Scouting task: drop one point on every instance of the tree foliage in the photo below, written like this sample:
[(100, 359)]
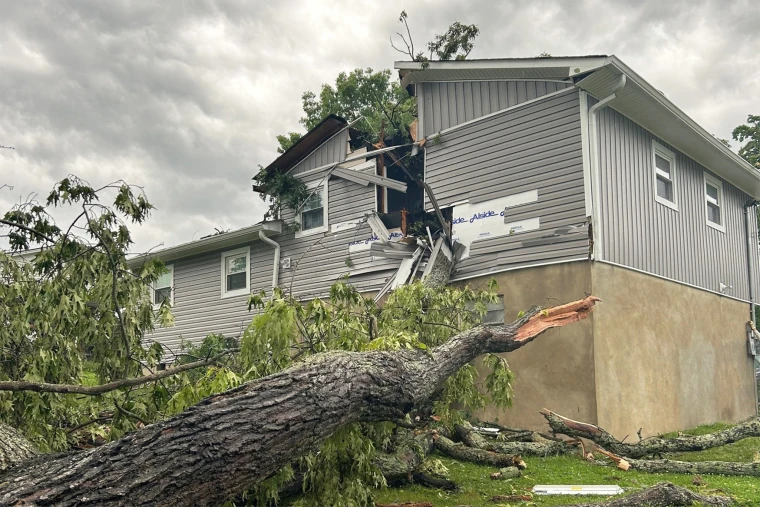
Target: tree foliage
[(749, 134)]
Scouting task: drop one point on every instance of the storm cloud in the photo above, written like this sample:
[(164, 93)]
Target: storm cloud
[(185, 98)]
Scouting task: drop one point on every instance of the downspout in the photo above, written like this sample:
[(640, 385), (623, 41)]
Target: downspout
[(752, 323), (747, 206), (276, 269), (595, 172)]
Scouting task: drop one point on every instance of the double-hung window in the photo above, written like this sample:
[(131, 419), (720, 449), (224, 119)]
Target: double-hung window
[(236, 272), (312, 217), (163, 287), (664, 176), (714, 202)]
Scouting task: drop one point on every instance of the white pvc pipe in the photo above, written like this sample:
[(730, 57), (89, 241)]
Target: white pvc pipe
[(276, 270), (595, 172)]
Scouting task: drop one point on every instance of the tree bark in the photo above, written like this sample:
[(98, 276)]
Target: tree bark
[(230, 441), (409, 453), (542, 448), (663, 494), (14, 447), (653, 445), (662, 466), (465, 453)]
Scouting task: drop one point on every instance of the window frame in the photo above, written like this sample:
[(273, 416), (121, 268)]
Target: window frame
[(670, 156), (236, 253), (170, 268), (325, 223), (715, 182)]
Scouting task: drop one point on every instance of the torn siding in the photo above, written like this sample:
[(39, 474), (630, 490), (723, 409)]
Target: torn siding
[(445, 105), (638, 232), (532, 148), (319, 260), (333, 150)]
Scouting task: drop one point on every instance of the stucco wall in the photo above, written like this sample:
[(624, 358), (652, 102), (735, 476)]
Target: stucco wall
[(667, 356), (556, 370)]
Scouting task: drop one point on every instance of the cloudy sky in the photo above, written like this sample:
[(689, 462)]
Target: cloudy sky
[(185, 98)]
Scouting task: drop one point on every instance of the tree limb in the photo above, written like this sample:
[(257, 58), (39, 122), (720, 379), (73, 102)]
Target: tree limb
[(230, 441), (653, 445), (41, 387), (27, 229)]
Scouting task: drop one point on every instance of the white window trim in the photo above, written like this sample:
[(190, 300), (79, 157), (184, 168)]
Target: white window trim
[(237, 292), (719, 185), (658, 149), (325, 223), (170, 268)]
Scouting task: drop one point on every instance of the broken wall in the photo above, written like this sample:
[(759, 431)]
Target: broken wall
[(529, 156)]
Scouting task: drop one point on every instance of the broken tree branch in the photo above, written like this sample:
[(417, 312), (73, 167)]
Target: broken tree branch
[(653, 445), (42, 387), (463, 452), (663, 494), (685, 467), (542, 448)]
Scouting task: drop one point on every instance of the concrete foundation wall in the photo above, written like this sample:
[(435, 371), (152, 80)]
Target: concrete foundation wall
[(556, 370), (667, 356)]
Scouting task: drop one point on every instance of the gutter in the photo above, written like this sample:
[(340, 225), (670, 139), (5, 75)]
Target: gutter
[(595, 171), (276, 268)]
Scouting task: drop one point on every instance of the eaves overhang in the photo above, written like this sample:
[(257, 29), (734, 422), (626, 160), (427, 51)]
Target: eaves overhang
[(555, 68), (208, 244), (650, 108)]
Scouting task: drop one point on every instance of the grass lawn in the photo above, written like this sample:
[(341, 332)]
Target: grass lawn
[(477, 488)]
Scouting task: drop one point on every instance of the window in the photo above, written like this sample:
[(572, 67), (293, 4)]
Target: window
[(163, 287), (714, 202), (494, 312), (312, 217), (236, 272), (664, 176)]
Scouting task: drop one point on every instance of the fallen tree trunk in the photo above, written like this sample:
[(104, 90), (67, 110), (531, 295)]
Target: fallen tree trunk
[(663, 494), (230, 441), (653, 445), (542, 448)]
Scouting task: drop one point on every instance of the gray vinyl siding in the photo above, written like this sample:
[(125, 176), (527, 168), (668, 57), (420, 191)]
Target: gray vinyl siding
[(537, 146), (638, 232), (333, 150), (317, 261), (445, 105), (199, 308)]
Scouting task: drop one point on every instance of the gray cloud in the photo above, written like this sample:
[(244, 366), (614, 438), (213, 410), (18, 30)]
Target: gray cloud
[(185, 98)]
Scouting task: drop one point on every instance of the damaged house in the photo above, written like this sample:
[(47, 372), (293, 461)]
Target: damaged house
[(555, 176)]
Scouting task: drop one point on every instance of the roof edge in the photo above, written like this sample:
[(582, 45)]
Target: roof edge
[(207, 244), (675, 110)]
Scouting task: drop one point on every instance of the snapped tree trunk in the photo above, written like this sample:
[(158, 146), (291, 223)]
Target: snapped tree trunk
[(230, 441), (653, 445), (663, 494)]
